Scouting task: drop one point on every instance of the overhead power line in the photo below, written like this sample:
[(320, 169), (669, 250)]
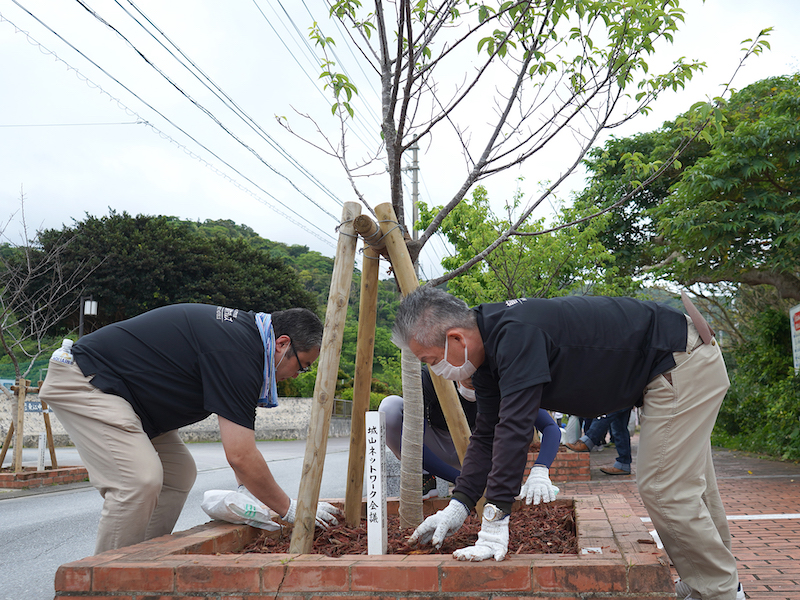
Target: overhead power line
[(202, 108), (330, 239), (209, 84), (67, 124), (306, 48)]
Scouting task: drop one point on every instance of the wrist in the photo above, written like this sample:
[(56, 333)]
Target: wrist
[(291, 511), (464, 499), (459, 507), (493, 513)]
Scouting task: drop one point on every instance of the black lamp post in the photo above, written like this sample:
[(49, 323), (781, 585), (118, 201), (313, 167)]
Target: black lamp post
[(89, 309)]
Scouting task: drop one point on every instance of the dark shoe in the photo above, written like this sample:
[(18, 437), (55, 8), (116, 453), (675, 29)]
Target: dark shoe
[(614, 471), (429, 486), (579, 446)]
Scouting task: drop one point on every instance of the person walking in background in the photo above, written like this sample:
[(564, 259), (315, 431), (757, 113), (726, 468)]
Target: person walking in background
[(439, 457), (130, 385), (617, 423)]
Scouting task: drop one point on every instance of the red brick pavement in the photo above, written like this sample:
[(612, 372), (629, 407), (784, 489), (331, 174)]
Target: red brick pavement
[(767, 549)]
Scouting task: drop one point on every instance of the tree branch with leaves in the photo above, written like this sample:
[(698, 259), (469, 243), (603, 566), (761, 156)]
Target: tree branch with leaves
[(538, 72)]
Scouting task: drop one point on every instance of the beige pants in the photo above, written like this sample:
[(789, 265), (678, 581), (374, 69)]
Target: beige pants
[(675, 471), (143, 482)]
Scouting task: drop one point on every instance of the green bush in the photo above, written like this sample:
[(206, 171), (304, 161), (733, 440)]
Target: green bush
[(374, 397), (761, 412)]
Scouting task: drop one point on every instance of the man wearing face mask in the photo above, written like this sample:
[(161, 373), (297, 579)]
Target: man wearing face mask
[(131, 385), (584, 356), (439, 456)]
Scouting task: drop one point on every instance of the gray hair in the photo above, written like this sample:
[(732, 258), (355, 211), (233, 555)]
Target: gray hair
[(301, 325), (427, 314)]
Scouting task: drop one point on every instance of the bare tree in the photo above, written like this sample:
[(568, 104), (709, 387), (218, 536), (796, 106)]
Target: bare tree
[(33, 285), (506, 81), (544, 71)]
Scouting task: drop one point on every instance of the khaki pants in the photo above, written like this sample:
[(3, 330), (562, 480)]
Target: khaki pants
[(675, 471), (143, 482)]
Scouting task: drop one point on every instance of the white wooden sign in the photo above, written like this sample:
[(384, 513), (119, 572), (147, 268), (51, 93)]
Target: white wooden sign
[(375, 476), (42, 448), (794, 325)]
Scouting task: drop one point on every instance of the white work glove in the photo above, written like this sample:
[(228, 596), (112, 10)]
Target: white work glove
[(492, 542), (441, 524), (538, 487), (324, 517)]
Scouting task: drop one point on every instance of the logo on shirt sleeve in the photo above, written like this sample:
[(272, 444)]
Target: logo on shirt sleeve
[(227, 314), (516, 301)]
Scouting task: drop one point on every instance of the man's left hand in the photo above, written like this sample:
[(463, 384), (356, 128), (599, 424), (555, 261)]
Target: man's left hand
[(326, 515), (538, 488), (492, 542)]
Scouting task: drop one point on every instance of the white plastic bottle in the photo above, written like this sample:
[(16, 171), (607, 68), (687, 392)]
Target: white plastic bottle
[(63, 354)]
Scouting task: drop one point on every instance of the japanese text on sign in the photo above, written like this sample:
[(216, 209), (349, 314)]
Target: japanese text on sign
[(375, 467)]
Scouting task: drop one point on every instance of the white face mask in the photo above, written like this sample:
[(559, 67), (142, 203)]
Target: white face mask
[(447, 371), (465, 392)]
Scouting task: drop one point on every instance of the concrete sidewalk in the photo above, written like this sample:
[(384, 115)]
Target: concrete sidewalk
[(762, 501)]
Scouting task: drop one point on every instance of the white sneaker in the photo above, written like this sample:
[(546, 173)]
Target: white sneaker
[(682, 590)]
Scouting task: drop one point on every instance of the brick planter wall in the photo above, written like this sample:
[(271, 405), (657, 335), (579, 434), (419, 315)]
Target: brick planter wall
[(617, 558), (31, 478), (567, 466)]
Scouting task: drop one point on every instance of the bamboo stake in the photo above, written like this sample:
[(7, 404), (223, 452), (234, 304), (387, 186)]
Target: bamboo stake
[(362, 383), (325, 386), (404, 271)]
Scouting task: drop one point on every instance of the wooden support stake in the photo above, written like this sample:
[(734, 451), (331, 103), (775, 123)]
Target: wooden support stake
[(21, 389), (362, 383), (404, 271), (325, 386), (50, 443), (398, 251), (6, 443), (371, 232)]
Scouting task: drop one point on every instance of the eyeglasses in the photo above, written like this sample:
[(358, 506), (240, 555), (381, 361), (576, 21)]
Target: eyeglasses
[(301, 368)]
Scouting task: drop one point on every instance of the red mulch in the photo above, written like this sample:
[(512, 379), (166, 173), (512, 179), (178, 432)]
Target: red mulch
[(542, 529)]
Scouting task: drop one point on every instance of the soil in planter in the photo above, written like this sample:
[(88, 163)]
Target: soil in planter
[(542, 529)]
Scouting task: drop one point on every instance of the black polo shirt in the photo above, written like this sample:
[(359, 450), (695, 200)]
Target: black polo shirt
[(592, 354), (586, 356), (178, 364)]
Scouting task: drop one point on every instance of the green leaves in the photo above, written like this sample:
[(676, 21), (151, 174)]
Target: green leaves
[(342, 88), (144, 262), (736, 210), (568, 261)]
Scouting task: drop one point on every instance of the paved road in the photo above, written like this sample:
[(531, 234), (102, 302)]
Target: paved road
[(42, 530)]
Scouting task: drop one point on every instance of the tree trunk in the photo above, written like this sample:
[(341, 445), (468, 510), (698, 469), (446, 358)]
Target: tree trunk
[(411, 455)]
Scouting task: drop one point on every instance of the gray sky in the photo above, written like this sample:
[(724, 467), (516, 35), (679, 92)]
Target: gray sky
[(76, 146)]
